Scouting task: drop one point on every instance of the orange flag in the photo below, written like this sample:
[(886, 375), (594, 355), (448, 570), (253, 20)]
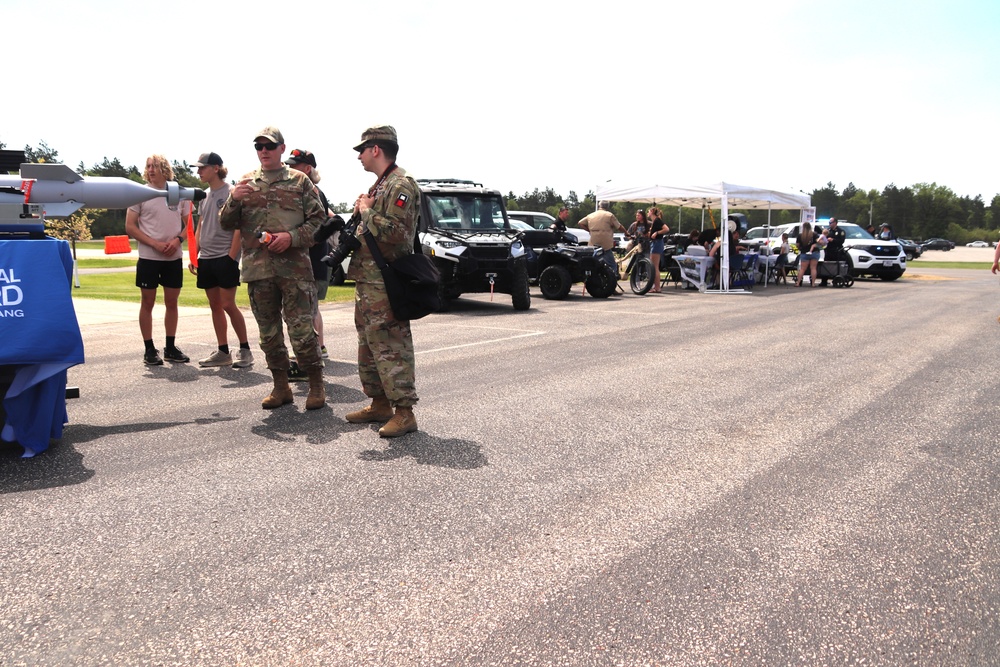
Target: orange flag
[(192, 239)]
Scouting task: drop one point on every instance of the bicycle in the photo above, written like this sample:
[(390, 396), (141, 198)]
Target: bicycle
[(638, 269)]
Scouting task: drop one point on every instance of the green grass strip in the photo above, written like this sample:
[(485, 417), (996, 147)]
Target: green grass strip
[(972, 266), (121, 287)]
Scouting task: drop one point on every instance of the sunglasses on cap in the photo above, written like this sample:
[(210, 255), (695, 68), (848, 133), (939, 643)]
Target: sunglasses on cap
[(298, 153), (269, 145)]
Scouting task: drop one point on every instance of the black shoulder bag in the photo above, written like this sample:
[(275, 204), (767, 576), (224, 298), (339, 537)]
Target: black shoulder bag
[(411, 282)]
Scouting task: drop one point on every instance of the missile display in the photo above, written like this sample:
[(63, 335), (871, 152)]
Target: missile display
[(60, 191)]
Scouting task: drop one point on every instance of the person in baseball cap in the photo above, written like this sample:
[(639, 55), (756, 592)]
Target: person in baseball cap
[(299, 156), (217, 269), (305, 161), (270, 133), (206, 159)]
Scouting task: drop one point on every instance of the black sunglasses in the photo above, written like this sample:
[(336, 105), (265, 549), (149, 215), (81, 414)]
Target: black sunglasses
[(270, 145)]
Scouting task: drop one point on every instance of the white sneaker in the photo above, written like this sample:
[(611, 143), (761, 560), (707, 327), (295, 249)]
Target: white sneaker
[(217, 358), (245, 360)]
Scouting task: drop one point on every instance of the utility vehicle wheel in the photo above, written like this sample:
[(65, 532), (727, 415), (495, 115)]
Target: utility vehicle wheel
[(520, 290)]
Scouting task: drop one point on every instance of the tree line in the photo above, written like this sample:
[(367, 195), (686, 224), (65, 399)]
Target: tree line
[(920, 211)]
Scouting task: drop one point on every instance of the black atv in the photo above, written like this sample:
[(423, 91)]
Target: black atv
[(556, 261)]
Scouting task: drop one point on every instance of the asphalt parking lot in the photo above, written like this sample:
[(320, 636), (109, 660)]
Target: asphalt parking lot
[(797, 476)]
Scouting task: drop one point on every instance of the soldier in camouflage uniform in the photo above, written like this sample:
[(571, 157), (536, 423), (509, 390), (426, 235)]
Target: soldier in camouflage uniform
[(385, 345), (281, 203)]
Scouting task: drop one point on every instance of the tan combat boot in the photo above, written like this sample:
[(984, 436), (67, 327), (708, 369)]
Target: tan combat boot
[(378, 411), (402, 422), (281, 394), (317, 390)]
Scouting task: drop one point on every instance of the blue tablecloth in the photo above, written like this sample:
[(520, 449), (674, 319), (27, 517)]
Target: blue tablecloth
[(39, 337)]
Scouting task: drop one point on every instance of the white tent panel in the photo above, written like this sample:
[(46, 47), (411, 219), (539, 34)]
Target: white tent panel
[(700, 196)]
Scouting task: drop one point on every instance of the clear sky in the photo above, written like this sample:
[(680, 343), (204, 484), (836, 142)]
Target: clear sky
[(783, 94)]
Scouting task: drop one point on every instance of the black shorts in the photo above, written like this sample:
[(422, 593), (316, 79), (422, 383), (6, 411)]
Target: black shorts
[(221, 272), (151, 273)]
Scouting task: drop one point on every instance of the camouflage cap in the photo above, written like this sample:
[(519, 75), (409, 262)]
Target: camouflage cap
[(270, 133), (386, 133)]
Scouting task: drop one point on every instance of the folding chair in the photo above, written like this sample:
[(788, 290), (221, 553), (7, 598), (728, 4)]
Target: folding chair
[(775, 270), (743, 271), (791, 270)]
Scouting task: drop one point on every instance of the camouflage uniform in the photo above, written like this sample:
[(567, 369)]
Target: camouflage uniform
[(284, 200), (385, 344)]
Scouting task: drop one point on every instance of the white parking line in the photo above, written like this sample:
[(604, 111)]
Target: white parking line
[(481, 342)]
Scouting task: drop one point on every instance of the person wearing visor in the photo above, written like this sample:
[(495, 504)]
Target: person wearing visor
[(277, 210)]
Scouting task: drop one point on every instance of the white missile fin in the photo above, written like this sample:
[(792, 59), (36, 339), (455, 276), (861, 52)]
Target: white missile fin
[(49, 172)]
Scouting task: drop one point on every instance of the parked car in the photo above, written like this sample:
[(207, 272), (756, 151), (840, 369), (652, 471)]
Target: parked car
[(756, 236), (938, 244), (539, 220), (866, 255), (911, 248), (978, 244)]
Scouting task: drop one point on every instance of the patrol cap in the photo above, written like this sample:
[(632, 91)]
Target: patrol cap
[(299, 156), (379, 133), (270, 133), (206, 159)]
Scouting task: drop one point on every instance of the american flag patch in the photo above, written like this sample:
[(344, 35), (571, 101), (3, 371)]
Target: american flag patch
[(401, 200)]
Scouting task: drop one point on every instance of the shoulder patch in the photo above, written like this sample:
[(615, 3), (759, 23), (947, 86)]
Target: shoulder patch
[(402, 200)]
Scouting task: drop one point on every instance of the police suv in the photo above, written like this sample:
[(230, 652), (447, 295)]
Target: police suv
[(866, 255)]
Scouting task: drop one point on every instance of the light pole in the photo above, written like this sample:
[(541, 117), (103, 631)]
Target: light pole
[(597, 201)]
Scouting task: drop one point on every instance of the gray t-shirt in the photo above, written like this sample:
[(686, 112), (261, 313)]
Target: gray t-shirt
[(214, 241), (162, 224)]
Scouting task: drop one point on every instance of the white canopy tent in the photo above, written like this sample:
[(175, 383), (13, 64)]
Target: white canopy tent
[(716, 196)]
